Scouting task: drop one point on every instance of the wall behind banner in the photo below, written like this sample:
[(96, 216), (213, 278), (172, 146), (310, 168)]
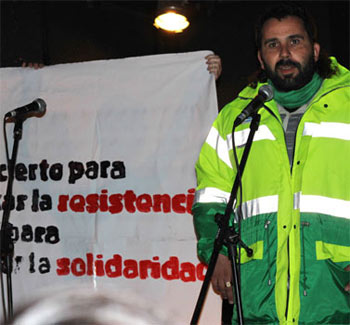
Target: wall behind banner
[(71, 31)]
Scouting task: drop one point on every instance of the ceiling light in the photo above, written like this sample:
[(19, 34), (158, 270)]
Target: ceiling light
[(172, 20)]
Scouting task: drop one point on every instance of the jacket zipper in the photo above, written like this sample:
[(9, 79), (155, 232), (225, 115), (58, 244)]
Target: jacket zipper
[(266, 226), (304, 224), (288, 279)]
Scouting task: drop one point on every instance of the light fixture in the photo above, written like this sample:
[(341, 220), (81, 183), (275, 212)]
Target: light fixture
[(171, 19)]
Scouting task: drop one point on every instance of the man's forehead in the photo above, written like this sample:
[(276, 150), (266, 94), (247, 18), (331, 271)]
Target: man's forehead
[(281, 28)]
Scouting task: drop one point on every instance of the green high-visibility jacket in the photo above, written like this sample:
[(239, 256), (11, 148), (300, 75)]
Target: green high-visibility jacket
[(297, 221)]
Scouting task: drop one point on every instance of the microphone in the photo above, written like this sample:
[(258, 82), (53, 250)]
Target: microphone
[(264, 95), (36, 108)]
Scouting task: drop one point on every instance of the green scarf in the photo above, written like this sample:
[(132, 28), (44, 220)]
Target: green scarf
[(296, 98)]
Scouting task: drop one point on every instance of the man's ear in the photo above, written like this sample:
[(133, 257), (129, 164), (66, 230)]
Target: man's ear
[(261, 61), (317, 49)]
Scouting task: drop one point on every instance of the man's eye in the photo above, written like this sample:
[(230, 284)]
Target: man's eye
[(295, 41), (272, 45)]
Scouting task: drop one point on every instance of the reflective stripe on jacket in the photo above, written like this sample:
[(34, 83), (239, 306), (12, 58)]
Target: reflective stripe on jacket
[(297, 221)]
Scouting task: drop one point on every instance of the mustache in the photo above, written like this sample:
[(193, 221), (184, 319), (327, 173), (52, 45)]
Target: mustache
[(288, 62)]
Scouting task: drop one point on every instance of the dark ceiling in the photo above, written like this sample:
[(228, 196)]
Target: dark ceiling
[(56, 32)]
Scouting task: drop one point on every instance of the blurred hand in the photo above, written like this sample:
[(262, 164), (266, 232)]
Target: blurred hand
[(214, 65), (347, 287), (222, 278), (32, 65)]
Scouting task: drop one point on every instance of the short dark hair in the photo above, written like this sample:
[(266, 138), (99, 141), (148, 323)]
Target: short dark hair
[(282, 10)]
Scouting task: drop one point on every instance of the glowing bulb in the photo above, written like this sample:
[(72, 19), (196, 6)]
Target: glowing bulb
[(171, 22)]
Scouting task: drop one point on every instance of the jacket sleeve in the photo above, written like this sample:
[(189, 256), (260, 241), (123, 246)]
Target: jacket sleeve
[(215, 177), (206, 228)]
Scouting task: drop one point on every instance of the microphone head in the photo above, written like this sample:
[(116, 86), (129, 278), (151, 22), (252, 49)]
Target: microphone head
[(266, 91), (41, 106)]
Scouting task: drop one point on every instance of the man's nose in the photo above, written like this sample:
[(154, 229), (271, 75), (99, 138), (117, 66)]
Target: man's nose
[(285, 51)]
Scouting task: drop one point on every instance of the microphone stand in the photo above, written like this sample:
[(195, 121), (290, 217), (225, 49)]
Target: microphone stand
[(7, 246), (228, 236)]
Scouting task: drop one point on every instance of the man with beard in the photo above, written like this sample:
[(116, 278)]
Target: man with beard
[(295, 196)]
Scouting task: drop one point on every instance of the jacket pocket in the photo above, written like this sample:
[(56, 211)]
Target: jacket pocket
[(337, 259), (336, 253), (258, 252)]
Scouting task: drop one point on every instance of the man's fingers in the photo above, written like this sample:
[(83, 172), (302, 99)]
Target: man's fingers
[(214, 65), (228, 291), (215, 285), (210, 56), (347, 287), (224, 289), (222, 278)]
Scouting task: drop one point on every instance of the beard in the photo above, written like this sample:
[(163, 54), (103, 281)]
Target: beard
[(288, 82)]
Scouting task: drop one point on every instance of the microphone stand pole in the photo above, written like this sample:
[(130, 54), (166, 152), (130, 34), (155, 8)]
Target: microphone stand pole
[(228, 236), (7, 246)]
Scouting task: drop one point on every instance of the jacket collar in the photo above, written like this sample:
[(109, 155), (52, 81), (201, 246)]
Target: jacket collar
[(339, 80)]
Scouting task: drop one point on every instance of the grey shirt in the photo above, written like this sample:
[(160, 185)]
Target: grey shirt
[(290, 122)]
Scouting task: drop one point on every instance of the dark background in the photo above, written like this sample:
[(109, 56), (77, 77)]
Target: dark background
[(54, 32)]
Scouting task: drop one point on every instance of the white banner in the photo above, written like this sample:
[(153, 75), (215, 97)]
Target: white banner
[(105, 180)]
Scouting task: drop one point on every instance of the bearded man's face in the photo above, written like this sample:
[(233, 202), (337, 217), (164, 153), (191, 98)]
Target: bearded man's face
[(287, 55)]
